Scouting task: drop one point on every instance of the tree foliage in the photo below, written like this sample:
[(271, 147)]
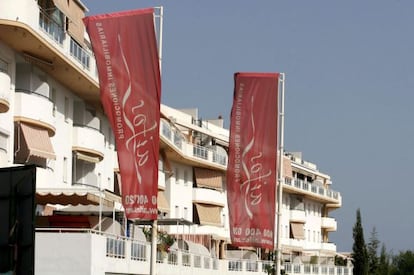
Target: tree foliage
[(383, 262), (372, 251), (359, 250), (403, 263), (365, 256)]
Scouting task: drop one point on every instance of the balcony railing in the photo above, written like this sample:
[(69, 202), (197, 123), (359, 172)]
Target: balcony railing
[(200, 151), (197, 151), (80, 54), (124, 255), (315, 189), (51, 26)]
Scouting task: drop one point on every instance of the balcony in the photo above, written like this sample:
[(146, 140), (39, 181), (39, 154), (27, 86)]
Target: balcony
[(328, 246), (72, 250), (292, 243), (209, 196), (189, 151), (46, 44), (88, 140), (41, 115), (318, 192), (329, 224), (4, 91), (297, 216)]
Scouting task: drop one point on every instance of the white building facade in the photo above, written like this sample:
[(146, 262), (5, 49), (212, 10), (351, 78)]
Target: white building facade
[(51, 116)]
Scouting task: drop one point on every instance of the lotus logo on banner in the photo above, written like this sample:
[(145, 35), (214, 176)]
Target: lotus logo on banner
[(251, 173), (125, 48)]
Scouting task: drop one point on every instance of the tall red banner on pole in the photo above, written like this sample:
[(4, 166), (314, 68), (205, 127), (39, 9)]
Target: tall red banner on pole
[(251, 172), (125, 48)]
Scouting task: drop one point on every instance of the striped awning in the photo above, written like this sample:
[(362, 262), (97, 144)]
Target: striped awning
[(162, 202), (209, 178), (297, 230), (287, 168), (74, 11), (35, 141), (87, 157), (208, 214), (76, 197)]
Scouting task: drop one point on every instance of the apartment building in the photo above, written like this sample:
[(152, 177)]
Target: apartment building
[(51, 116)]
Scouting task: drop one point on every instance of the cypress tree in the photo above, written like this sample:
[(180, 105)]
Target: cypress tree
[(372, 250), (359, 250), (383, 262)]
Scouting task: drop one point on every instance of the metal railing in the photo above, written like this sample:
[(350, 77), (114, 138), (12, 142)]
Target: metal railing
[(115, 247), (310, 187), (198, 151), (138, 251), (49, 25), (80, 54), (124, 250)]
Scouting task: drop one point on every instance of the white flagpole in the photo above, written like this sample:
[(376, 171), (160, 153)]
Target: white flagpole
[(280, 177), (154, 233), (160, 25)]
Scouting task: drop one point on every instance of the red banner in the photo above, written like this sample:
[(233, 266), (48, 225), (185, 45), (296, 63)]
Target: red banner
[(125, 48), (251, 172)]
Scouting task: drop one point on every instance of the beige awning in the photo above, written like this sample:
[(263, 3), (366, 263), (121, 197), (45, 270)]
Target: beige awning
[(62, 5), (75, 13), (72, 197), (297, 230), (76, 28), (287, 168), (87, 157), (208, 214), (209, 178), (35, 141), (87, 210), (162, 202)]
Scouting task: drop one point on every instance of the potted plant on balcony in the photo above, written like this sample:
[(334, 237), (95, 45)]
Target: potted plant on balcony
[(164, 241)]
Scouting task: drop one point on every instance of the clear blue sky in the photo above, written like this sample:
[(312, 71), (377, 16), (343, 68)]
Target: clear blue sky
[(349, 89)]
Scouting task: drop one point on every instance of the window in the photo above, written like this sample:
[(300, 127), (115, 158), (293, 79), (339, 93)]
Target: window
[(160, 165), (185, 178), (84, 172), (3, 142), (79, 53), (53, 99), (99, 179), (3, 66), (66, 109), (65, 169), (110, 137), (52, 20), (177, 178), (3, 148), (185, 214), (177, 211)]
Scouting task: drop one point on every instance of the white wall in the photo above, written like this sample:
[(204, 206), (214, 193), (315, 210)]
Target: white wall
[(68, 253)]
